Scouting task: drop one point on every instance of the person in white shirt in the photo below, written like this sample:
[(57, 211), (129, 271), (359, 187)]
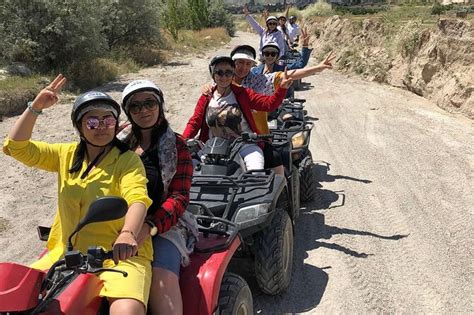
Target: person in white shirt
[(294, 31)]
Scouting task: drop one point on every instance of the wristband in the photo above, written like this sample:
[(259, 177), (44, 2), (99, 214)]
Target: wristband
[(153, 228), (128, 231), (34, 111)]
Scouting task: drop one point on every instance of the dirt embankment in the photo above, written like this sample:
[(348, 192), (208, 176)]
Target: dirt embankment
[(436, 63)]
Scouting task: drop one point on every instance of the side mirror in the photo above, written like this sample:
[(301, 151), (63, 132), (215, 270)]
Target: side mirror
[(102, 209)]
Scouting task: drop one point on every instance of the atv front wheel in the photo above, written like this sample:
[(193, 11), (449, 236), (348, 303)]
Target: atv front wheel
[(274, 254), (235, 297), (307, 180)]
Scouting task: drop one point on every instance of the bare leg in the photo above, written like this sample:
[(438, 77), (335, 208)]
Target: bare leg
[(165, 295), (124, 306)]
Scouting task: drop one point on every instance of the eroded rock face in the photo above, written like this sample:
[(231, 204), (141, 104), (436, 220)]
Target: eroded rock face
[(434, 63)]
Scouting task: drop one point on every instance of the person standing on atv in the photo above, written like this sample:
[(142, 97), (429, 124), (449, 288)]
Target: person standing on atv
[(270, 34), (282, 28), (99, 165), (168, 169), (226, 111), (271, 51)]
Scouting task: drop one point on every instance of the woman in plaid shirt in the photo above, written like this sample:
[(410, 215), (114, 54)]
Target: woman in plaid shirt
[(168, 169)]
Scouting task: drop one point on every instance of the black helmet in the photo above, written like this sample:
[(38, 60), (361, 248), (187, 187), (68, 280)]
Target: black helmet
[(220, 59), (292, 18), (86, 99)]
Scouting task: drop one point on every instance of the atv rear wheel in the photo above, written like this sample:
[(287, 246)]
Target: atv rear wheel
[(235, 297), (274, 254), (307, 179)]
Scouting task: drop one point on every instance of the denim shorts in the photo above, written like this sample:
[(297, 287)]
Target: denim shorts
[(166, 255)]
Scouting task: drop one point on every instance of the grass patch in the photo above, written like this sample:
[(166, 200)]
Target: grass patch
[(17, 83), (16, 91), (192, 41), (91, 74)]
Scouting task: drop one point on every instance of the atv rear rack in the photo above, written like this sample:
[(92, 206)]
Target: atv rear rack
[(251, 178)]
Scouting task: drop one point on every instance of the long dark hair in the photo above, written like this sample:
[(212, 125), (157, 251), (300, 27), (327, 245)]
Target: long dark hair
[(158, 129)]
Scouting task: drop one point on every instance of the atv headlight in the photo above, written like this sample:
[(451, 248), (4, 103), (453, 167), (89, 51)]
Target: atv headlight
[(272, 124), (298, 140), (251, 212)]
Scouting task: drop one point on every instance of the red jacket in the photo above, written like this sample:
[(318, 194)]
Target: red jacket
[(247, 100)]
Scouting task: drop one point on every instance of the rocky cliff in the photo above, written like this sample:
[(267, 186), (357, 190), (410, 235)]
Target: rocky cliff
[(436, 62)]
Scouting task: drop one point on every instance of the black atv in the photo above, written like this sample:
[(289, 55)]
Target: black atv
[(260, 203), (291, 121)]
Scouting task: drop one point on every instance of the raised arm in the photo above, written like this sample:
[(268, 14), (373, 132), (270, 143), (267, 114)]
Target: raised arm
[(306, 72), (47, 97), (305, 53), (256, 27)]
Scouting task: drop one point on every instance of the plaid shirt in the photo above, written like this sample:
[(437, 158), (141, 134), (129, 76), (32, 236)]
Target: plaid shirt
[(177, 199)]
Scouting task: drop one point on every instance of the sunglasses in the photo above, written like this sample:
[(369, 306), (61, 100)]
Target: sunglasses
[(272, 23), (136, 107), (94, 123), (270, 53), (227, 73)]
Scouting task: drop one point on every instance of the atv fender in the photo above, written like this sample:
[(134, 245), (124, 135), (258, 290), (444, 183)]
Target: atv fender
[(19, 287), (200, 282), (81, 297)]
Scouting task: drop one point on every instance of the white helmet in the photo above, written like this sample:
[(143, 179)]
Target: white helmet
[(138, 86)]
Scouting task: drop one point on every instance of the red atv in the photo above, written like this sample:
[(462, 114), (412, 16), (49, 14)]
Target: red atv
[(71, 287)]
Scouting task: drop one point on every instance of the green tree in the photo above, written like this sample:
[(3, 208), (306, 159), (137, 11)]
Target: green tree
[(198, 16), (172, 12), (128, 22)]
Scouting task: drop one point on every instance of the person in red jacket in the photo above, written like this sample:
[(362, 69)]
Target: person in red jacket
[(226, 112)]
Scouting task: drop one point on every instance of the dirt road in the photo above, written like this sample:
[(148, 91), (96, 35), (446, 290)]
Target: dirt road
[(393, 231)]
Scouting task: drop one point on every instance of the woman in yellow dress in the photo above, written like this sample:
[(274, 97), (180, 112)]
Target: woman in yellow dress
[(99, 165)]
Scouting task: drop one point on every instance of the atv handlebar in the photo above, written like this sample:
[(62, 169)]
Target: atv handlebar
[(251, 136)]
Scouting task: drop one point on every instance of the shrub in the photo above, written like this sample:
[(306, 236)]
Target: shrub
[(318, 9), (219, 16), (51, 34), (93, 73), (128, 22), (195, 15), (359, 10), (438, 9)]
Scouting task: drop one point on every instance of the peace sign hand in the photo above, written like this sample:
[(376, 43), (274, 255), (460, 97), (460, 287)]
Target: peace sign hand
[(305, 36), (287, 80), (48, 96), (327, 62)]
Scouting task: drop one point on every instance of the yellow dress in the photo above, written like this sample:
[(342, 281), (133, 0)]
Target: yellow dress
[(116, 175)]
